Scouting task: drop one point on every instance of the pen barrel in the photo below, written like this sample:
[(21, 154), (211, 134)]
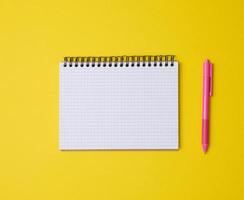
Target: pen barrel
[(206, 90), (205, 105), (207, 78), (205, 131)]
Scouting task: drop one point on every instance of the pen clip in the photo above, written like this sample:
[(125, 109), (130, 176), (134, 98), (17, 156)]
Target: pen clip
[(211, 79)]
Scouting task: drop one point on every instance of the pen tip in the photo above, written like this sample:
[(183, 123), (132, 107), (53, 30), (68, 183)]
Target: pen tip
[(205, 148)]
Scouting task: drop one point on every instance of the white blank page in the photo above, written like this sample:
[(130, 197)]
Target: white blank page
[(118, 107)]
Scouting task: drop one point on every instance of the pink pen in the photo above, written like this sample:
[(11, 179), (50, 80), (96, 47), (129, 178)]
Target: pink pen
[(207, 92)]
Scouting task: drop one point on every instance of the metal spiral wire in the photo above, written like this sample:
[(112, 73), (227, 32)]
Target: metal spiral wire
[(122, 61)]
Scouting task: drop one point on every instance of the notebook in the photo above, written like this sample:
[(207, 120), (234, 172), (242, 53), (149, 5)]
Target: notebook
[(125, 102)]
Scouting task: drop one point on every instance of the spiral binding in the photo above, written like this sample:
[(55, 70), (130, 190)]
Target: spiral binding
[(120, 61)]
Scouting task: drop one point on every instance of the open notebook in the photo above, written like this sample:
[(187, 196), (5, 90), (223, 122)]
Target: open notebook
[(119, 103)]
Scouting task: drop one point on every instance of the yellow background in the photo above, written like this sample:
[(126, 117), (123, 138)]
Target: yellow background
[(34, 37)]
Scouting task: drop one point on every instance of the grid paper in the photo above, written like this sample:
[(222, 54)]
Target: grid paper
[(118, 107)]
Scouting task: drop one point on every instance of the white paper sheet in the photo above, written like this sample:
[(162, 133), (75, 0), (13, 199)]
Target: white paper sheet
[(118, 107)]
